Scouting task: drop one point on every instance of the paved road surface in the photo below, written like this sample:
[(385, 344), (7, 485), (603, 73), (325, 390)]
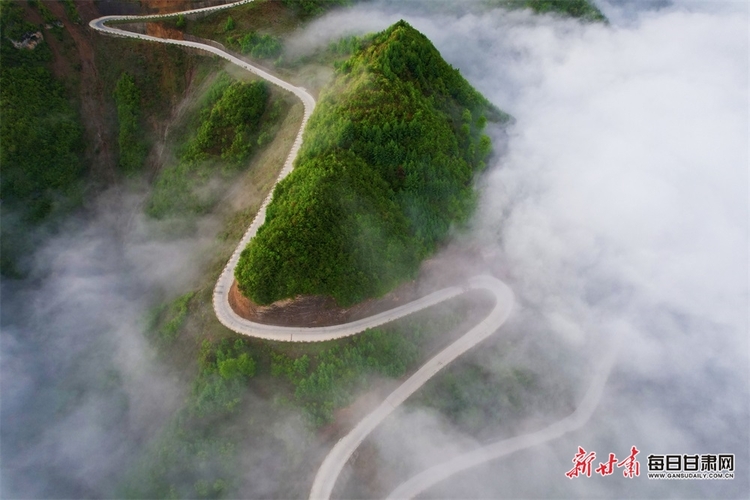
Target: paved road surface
[(329, 471), (342, 451), (430, 477), (223, 310)]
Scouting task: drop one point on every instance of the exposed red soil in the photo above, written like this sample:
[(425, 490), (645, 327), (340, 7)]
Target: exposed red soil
[(451, 267), (316, 310), (169, 6), (161, 31)]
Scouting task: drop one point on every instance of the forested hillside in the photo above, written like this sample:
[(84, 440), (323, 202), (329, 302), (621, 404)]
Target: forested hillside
[(40, 132), (235, 120), (386, 168), (581, 9), (41, 135), (74, 120)]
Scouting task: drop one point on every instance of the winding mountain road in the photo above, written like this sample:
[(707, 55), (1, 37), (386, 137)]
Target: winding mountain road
[(334, 462), (224, 311)]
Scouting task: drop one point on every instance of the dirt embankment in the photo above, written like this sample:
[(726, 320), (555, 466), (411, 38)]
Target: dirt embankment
[(450, 268), (161, 31), (169, 6), (315, 310)]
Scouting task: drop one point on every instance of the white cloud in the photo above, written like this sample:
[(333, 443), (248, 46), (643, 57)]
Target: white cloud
[(620, 206)]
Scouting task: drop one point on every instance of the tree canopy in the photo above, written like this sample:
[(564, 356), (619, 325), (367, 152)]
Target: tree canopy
[(41, 137), (386, 168)]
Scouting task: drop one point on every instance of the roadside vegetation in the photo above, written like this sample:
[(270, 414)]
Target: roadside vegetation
[(242, 27), (256, 29), (386, 169), (500, 389), (235, 120), (255, 45), (478, 398), (332, 378), (243, 383), (131, 142)]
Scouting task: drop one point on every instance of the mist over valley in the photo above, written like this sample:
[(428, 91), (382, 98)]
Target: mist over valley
[(613, 204)]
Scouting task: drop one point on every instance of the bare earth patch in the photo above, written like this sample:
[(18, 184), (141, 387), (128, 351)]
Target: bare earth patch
[(444, 270), (316, 310), (161, 30)]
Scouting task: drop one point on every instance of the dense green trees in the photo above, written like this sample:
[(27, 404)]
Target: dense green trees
[(132, 145), (257, 46), (167, 320), (235, 120), (40, 139), (387, 166), (224, 370), (339, 230), (229, 24), (348, 45), (228, 126), (72, 11), (40, 131)]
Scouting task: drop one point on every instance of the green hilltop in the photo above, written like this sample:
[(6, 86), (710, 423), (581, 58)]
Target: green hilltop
[(386, 168)]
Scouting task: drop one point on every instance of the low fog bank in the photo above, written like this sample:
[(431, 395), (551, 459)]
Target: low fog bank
[(82, 391), (619, 216)]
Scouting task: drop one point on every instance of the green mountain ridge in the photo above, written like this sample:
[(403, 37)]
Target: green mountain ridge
[(579, 9), (386, 168)]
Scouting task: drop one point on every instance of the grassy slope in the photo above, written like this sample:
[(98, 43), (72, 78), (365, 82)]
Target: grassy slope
[(230, 124), (245, 385), (161, 75), (385, 169)]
